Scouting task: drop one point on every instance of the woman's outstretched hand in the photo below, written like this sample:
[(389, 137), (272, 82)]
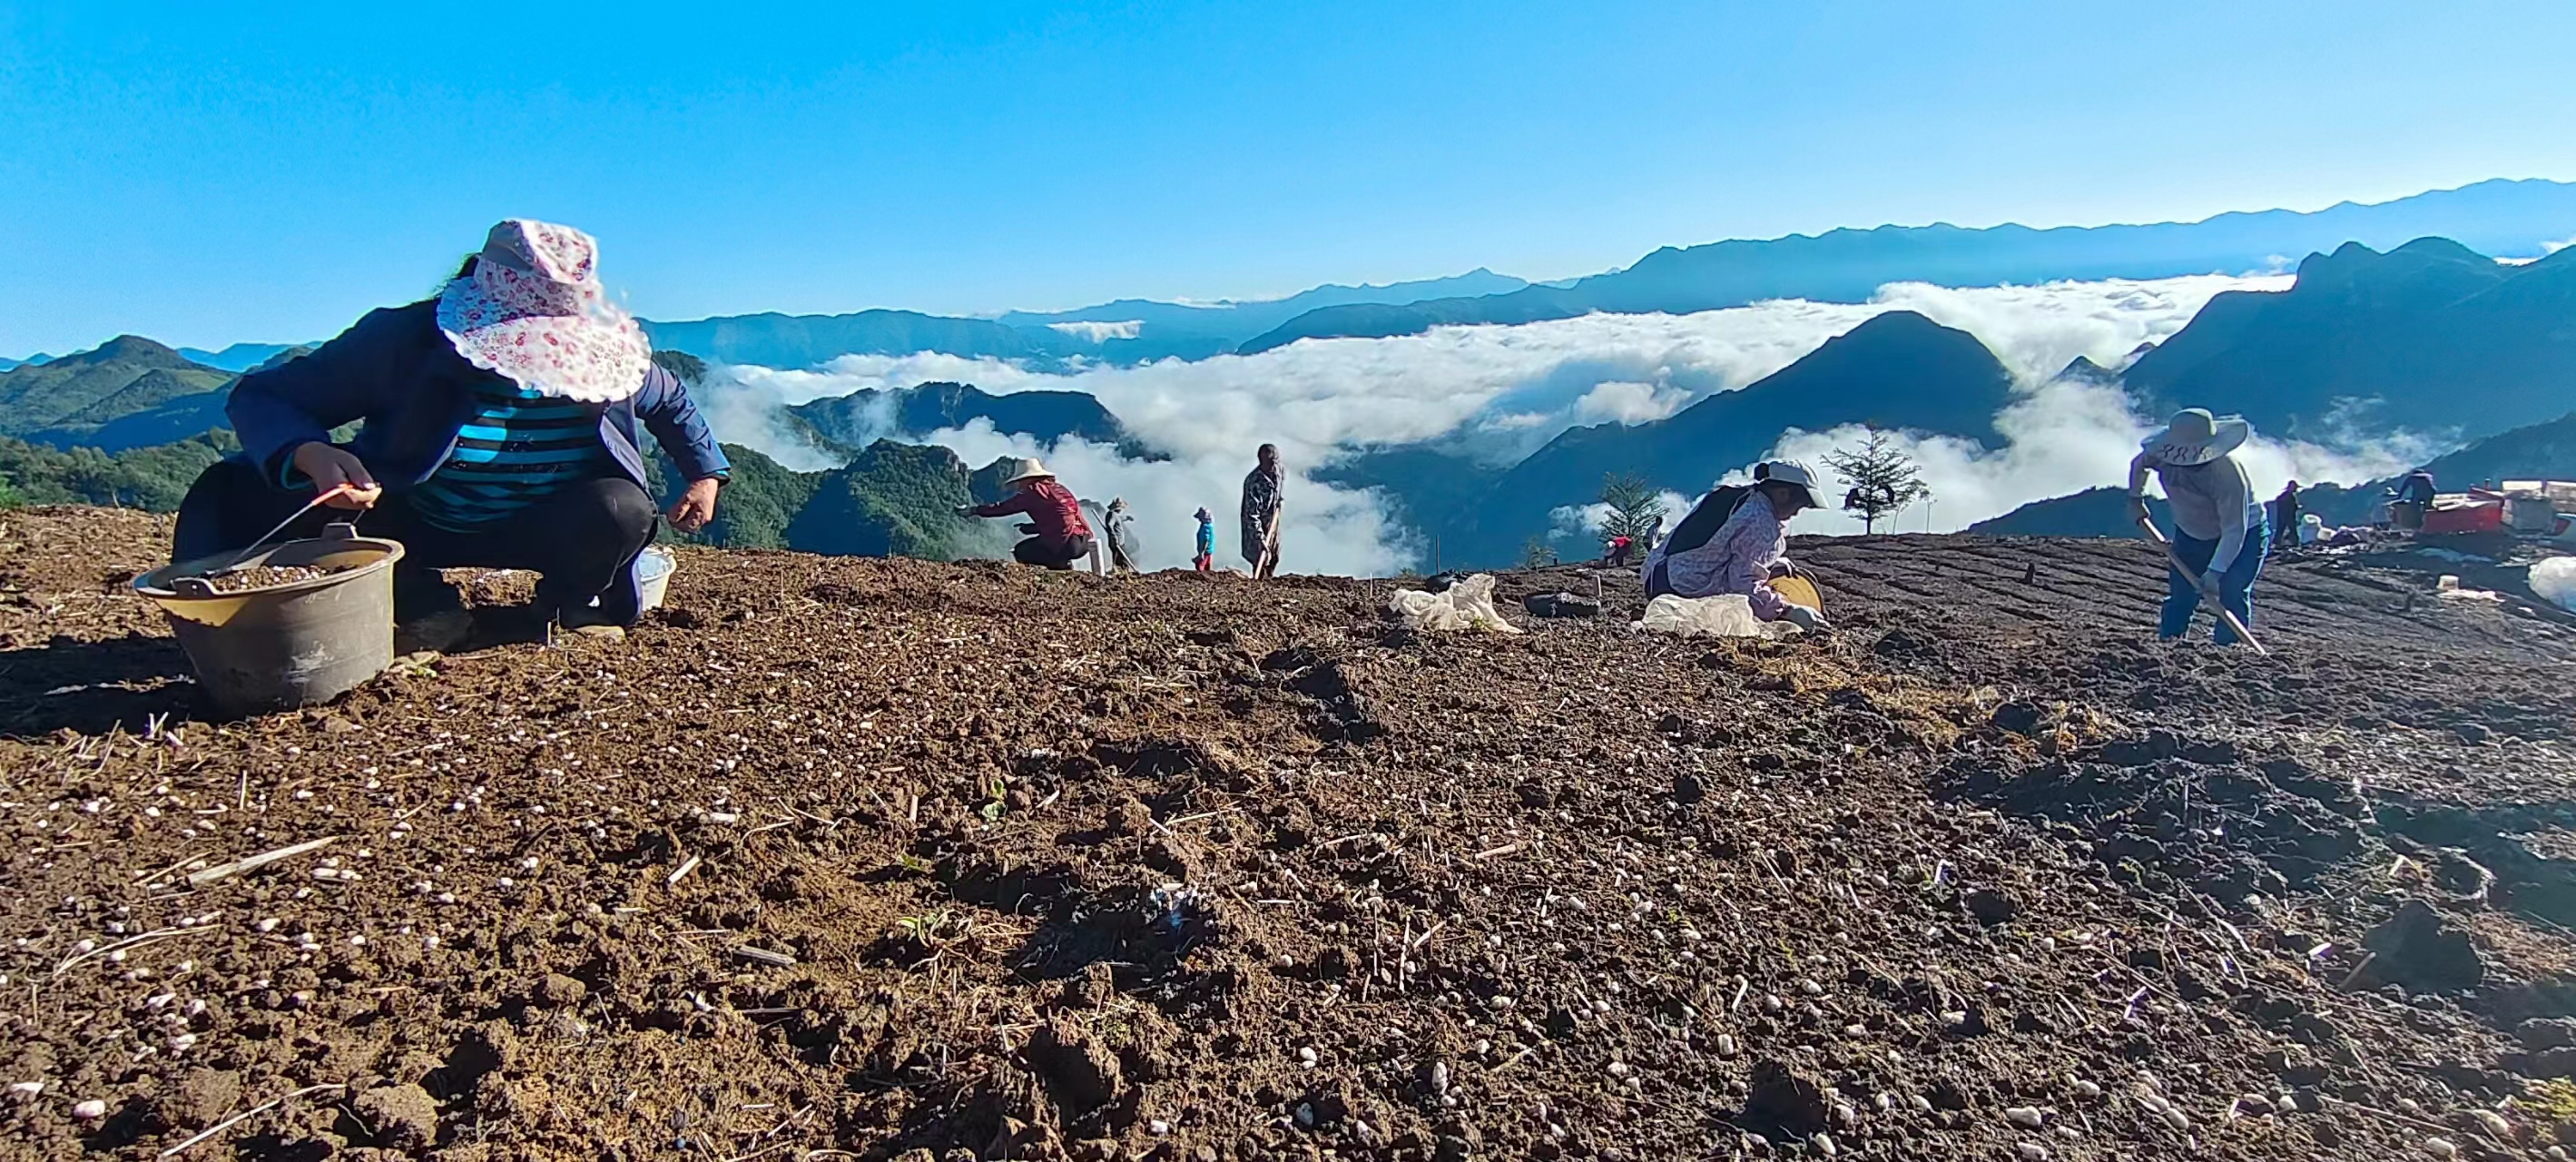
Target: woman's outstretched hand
[(696, 506)]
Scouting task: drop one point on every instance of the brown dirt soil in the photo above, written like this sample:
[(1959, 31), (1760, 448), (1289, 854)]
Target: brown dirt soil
[(887, 859)]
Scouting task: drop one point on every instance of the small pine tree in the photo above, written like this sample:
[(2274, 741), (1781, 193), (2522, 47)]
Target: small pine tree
[(1537, 554), (1884, 479), (1634, 506)]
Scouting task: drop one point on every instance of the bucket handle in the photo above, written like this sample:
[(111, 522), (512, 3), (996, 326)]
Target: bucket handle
[(291, 518)]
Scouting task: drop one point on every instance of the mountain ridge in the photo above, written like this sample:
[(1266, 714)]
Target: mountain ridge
[(1849, 264)]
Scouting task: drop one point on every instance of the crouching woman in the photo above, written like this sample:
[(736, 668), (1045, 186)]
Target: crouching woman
[(1058, 535), (1744, 553), (498, 429)]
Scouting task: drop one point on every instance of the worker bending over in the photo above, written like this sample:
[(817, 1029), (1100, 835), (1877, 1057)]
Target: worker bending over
[(2219, 530), (1058, 536)]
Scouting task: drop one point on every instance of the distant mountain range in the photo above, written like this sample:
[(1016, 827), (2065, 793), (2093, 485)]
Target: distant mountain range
[(2430, 337), (2513, 218), (1127, 331)]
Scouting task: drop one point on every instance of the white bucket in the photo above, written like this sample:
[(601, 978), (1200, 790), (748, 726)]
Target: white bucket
[(653, 571)]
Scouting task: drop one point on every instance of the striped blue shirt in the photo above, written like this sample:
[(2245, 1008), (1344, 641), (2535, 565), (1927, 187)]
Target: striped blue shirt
[(518, 448)]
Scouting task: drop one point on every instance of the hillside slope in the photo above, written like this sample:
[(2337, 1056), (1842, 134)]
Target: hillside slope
[(880, 857)]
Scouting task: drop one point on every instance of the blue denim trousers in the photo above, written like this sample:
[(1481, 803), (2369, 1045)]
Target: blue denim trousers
[(2235, 586)]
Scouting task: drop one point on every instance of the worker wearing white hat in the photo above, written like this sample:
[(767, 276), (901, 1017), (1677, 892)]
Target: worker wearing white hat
[(1747, 551), (1058, 535), (2220, 532)]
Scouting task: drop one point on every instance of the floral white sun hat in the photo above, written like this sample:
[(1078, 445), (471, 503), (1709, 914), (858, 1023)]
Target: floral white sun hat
[(533, 311)]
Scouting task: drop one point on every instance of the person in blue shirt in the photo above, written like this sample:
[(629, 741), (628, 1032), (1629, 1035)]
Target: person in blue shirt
[(1206, 560), (498, 429)]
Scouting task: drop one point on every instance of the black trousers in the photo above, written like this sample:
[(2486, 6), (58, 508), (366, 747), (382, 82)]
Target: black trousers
[(580, 540), (1048, 554)]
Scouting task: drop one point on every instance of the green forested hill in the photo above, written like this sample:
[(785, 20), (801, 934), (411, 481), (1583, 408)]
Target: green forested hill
[(62, 400)]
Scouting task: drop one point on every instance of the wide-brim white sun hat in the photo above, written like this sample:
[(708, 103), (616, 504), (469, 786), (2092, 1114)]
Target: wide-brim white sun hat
[(1791, 472), (2195, 437), (532, 311), (1029, 470)]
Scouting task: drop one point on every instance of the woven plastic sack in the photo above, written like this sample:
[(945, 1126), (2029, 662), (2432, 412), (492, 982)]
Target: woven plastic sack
[(2555, 581), (1725, 615), (1469, 604)]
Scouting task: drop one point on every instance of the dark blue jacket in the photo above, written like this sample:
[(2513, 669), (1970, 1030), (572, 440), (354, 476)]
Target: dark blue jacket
[(396, 371)]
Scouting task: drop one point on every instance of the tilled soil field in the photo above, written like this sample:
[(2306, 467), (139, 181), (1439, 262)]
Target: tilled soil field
[(892, 860)]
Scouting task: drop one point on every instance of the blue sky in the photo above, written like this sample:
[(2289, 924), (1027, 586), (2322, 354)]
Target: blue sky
[(209, 173)]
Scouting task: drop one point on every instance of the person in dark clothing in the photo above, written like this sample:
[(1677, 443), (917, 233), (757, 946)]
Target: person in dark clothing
[(2285, 519), (2413, 496), (1058, 536), (1262, 490), (498, 430)]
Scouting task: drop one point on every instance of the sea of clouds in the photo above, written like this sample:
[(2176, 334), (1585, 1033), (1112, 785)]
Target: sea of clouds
[(1499, 392)]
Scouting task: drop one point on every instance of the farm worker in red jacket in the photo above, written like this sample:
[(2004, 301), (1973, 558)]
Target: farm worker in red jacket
[(1058, 536)]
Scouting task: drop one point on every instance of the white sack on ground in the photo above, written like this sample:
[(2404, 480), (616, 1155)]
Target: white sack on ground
[(1725, 615), (1469, 604), (2555, 581)]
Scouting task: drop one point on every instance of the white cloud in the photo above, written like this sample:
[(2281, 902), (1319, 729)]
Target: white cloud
[(1500, 392), (1629, 403), (1090, 332)]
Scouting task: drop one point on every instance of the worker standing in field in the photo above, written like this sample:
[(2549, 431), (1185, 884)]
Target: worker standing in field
[(1058, 536), (1261, 505), (2285, 517), (1120, 527), (1744, 552), (2219, 529), (1205, 561)]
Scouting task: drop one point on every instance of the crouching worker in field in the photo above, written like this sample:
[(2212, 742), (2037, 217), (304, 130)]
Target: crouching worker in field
[(2219, 527), (1058, 536), (498, 430), (1735, 541)]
